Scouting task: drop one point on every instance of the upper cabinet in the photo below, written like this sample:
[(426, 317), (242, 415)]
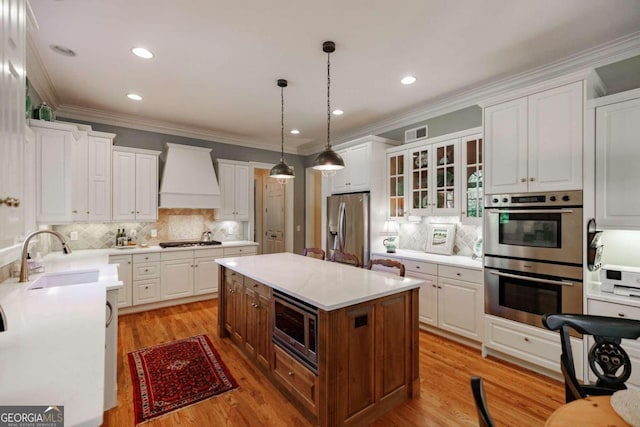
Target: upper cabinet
[(359, 156), (233, 177), (12, 124), (617, 177), (135, 184), (534, 143), (471, 149), (396, 165)]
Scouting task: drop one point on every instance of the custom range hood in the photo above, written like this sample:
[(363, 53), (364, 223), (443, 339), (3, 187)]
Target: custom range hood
[(188, 179)]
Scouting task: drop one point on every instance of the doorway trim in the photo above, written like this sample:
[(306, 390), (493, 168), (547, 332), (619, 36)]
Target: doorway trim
[(288, 214)]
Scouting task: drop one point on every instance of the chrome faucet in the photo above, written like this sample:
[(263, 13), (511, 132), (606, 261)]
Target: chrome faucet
[(24, 269)]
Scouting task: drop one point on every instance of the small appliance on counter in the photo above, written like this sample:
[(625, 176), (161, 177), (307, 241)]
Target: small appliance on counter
[(620, 280)]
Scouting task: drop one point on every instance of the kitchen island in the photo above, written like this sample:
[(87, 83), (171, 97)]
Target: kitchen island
[(366, 359)]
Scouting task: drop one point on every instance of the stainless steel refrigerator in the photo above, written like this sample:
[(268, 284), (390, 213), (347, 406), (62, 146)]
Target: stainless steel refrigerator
[(348, 225)]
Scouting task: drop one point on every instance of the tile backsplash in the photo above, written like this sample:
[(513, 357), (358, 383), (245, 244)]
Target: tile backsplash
[(413, 235), (172, 224)]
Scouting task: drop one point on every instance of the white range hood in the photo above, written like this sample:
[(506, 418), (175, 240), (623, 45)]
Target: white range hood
[(188, 179)]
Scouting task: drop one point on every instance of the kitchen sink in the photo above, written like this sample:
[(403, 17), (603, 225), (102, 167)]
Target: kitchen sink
[(51, 280)]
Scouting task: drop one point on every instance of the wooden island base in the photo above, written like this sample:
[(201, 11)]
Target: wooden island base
[(367, 352)]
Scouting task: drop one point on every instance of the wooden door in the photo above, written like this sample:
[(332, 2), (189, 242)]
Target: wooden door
[(263, 348), (274, 217), (251, 309)]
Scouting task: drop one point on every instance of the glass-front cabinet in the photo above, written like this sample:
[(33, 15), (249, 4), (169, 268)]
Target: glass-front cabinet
[(472, 189), (420, 167), (433, 179), (396, 165)]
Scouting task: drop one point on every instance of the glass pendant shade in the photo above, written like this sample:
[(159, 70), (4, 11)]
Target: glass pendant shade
[(328, 161), (282, 171)]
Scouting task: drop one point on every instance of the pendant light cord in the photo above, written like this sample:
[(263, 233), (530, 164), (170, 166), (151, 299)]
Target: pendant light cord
[(328, 100), (282, 124)]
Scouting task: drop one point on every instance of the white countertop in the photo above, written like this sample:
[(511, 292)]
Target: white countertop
[(326, 285), (52, 352), (594, 291), (147, 249), (454, 260)]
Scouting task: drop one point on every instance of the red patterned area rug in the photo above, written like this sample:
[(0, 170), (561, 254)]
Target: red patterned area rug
[(173, 375)]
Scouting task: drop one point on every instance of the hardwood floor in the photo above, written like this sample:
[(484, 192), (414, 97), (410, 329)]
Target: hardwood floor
[(516, 397)]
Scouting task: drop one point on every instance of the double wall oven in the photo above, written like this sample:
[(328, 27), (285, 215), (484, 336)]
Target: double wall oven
[(533, 255)]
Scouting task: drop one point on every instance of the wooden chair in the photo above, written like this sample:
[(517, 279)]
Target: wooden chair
[(345, 258), (484, 418), (388, 263), (314, 253), (607, 359)]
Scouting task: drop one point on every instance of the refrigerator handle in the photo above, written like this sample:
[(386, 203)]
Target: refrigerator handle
[(341, 225)]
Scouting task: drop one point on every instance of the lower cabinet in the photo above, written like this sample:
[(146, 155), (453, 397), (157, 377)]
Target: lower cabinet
[(257, 306), (177, 274), (146, 278), (125, 294), (111, 351), (296, 378), (233, 309)]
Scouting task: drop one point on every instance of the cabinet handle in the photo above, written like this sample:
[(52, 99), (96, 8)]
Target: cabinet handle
[(231, 291), (620, 314), (11, 202), (74, 211), (523, 179), (290, 373), (526, 339), (255, 286)]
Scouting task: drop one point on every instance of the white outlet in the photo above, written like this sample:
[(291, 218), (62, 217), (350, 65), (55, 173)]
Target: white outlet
[(73, 235), (154, 232)]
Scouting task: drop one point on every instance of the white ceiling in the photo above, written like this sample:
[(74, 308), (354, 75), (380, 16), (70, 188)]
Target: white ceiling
[(216, 62)]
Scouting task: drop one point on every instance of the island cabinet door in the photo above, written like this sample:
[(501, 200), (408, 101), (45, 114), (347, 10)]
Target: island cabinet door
[(371, 357), (233, 283), (263, 349), (251, 308)]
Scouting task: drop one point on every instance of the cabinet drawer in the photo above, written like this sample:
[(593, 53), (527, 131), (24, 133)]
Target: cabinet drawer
[(147, 270), (296, 378), (460, 273), (534, 345), (119, 259), (611, 309), (151, 257), (420, 266), (239, 251), (258, 287), (213, 253), (174, 255), (146, 291)]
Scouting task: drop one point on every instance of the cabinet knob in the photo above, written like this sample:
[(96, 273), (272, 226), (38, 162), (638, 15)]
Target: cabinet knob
[(526, 339), (532, 179), (74, 211), (146, 287), (132, 212), (128, 262), (88, 212), (146, 269), (11, 202), (291, 373), (138, 212), (458, 274), (463, 213), (523, 179), (434, 285), (620, 314), (417, 267), (146, 257)]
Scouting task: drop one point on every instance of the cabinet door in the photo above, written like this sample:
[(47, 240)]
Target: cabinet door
[(396, 199), (471, 179), (263, 349), (124, 186), (360, 167), (444, 178), (555, 139), (242, 192), (206, 276), (98, 162), (146, 197), (251, 309), (617, 131), (460, 307), (505, 131), (234, 313), (53, 175), (226, 175), (80, 181), (420, 175), (146, 291), (428, 299), (125, 294), (177, 278), (339, 182)]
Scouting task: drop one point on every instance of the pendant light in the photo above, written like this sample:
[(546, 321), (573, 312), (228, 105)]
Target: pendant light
[(282, 172), (328, 161)]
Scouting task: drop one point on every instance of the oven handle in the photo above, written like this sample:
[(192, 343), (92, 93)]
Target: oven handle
[(533, 279), (528, 211)]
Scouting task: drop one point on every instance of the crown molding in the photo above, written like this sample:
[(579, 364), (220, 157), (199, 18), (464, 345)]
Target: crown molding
[(39, 79), (133, 122), (579, 64)]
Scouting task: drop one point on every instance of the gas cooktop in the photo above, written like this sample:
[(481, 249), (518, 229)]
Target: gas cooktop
[(188, 243)]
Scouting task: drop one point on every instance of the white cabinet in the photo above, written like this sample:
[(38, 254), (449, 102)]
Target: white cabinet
[(471, 149), (396, 183), (617, 175), (235, 188), (125, 269), (135, 184), (205, 274), (12, 124), (54, 171), (91, 171), (146, 278), (535, 143), (111, 351), (356, 175), (177, 274), (433, 180)]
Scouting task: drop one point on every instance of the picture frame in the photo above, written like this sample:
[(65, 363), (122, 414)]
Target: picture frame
[(440, 238)]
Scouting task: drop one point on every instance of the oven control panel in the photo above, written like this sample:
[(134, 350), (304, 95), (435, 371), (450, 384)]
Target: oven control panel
[(558, 198)]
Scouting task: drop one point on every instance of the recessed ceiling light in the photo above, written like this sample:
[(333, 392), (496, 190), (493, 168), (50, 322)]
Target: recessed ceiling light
[(295, 131), (134, 96), (142, 52), (62, 50), (408, 80), (338, 112)]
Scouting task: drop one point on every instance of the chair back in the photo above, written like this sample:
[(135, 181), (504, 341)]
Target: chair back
[(314, 253), (484, 418), (386, 264), (607, 359), (345, 258)]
